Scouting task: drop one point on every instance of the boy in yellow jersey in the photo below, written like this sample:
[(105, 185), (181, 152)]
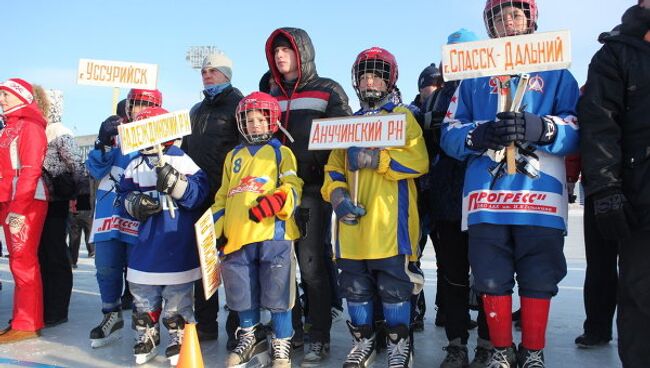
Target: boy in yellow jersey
[(253, 215), (377, 240)]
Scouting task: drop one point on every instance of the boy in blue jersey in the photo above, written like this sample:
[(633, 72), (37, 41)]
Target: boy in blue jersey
[(163, 262), (253, 213), (516, 223), (112, 230), (377, 239)]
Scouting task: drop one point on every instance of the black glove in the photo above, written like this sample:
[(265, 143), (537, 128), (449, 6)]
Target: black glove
[(614, 216), (141, 206), (492, 135), (529, 127), (171, 181), (221, 242), (108, 130)]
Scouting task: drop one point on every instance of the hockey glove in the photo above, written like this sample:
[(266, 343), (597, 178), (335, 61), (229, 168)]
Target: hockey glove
[(170, 181), (486, 136), (268, 206), (141, 206), (345, 210), (108, 131), (361, 158), (529, 127), (614, 216), (221, 242)]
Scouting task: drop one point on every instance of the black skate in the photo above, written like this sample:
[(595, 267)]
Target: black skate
[(148, 338), (363, 349), (503, 358), (400, 349), (530, 358), (251, 350), (175, 327), (109, 330)]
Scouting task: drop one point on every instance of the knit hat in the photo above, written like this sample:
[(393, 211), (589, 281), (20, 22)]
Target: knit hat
[(19, 88), (219, 61), (430, 76), (460, 36), (280, 41)]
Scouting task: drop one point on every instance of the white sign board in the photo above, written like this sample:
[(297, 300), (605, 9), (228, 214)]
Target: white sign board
[(147, 133), (206, 241), (507, 55), (117, 74), (358, 131)]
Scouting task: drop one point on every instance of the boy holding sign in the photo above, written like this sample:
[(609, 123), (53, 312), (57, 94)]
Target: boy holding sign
[(163, 263), (377, 239), (254, 220), (516, 222)]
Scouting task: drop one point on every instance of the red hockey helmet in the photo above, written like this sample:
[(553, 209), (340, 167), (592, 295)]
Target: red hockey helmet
[(142, 97), (248, 114), (493, 9), (379, 62)]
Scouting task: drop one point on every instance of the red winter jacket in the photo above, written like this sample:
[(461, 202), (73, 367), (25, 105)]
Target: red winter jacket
[(22, 150)]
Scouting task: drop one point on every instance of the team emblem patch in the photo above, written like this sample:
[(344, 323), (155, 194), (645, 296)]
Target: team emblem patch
[(536, 84), (252, 184)]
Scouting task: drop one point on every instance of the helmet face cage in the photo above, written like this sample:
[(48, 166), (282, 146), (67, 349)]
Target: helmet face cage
[(381, 64), (494, 17), (142, 97), (257, 119)]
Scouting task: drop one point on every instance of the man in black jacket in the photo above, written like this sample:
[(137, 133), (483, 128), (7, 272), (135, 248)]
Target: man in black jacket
[(614, 114), (214, 134), (304, 96)]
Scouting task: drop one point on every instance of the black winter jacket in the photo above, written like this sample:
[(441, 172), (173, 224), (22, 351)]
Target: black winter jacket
[(310, 97), (614, 115), (214, 134)]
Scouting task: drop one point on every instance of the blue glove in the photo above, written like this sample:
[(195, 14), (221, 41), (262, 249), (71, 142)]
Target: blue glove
[(361, 158), (492, 135), (529, 127), (345, 210), (108, 130)]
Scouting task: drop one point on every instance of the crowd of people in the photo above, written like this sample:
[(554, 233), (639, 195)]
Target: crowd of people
[(272, 201)]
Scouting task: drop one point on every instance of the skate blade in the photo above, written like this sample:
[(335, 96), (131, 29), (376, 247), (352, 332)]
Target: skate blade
[(143, 358), (371, 359), (260, 360), (98, 343), (173, 360)]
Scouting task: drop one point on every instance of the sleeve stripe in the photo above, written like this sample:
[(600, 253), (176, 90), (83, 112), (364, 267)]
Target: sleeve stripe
[(396, 166), (217, 215), (337, 176), (288, 173)]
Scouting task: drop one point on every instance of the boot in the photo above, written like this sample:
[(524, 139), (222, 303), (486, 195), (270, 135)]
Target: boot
[(363, 349), (251, 350), (482, 353), (175, 327), (109, 330), (147, 339), (400, 349), (317, 354), (530, 358), (18, 335), (503, 358), (281, 352), (456, 355)]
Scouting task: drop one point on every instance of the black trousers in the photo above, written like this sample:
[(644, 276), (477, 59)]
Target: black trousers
[(81, 222), (53, 257), (453, 276), (315, 277), (206, 312), (633, 319), (601, 277)]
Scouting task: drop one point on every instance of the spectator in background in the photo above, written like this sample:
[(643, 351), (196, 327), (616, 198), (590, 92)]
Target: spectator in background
[(80, 221)]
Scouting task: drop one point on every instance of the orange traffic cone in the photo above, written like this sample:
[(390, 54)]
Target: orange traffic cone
[(190, 356)]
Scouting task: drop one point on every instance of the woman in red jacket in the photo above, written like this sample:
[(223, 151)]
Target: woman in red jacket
[(23, 203)]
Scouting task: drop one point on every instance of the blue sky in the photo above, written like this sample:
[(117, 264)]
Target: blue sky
[(43, 40)]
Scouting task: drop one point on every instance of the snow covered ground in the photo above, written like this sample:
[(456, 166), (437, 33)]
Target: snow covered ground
[(67, 345)]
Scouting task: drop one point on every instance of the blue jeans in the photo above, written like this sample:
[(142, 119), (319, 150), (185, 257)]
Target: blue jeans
[(179, 299), (110, 261)]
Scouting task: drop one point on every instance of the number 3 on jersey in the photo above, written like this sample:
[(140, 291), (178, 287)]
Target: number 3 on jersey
[(236, 166)]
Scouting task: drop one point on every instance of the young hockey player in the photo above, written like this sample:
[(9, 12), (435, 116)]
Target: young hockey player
[(377, 240), (163, 263), (253, 213), (516, 222)]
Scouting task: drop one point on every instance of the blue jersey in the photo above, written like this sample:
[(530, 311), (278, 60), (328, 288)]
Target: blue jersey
[(514, 199), (110, 220), (165, 252)]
